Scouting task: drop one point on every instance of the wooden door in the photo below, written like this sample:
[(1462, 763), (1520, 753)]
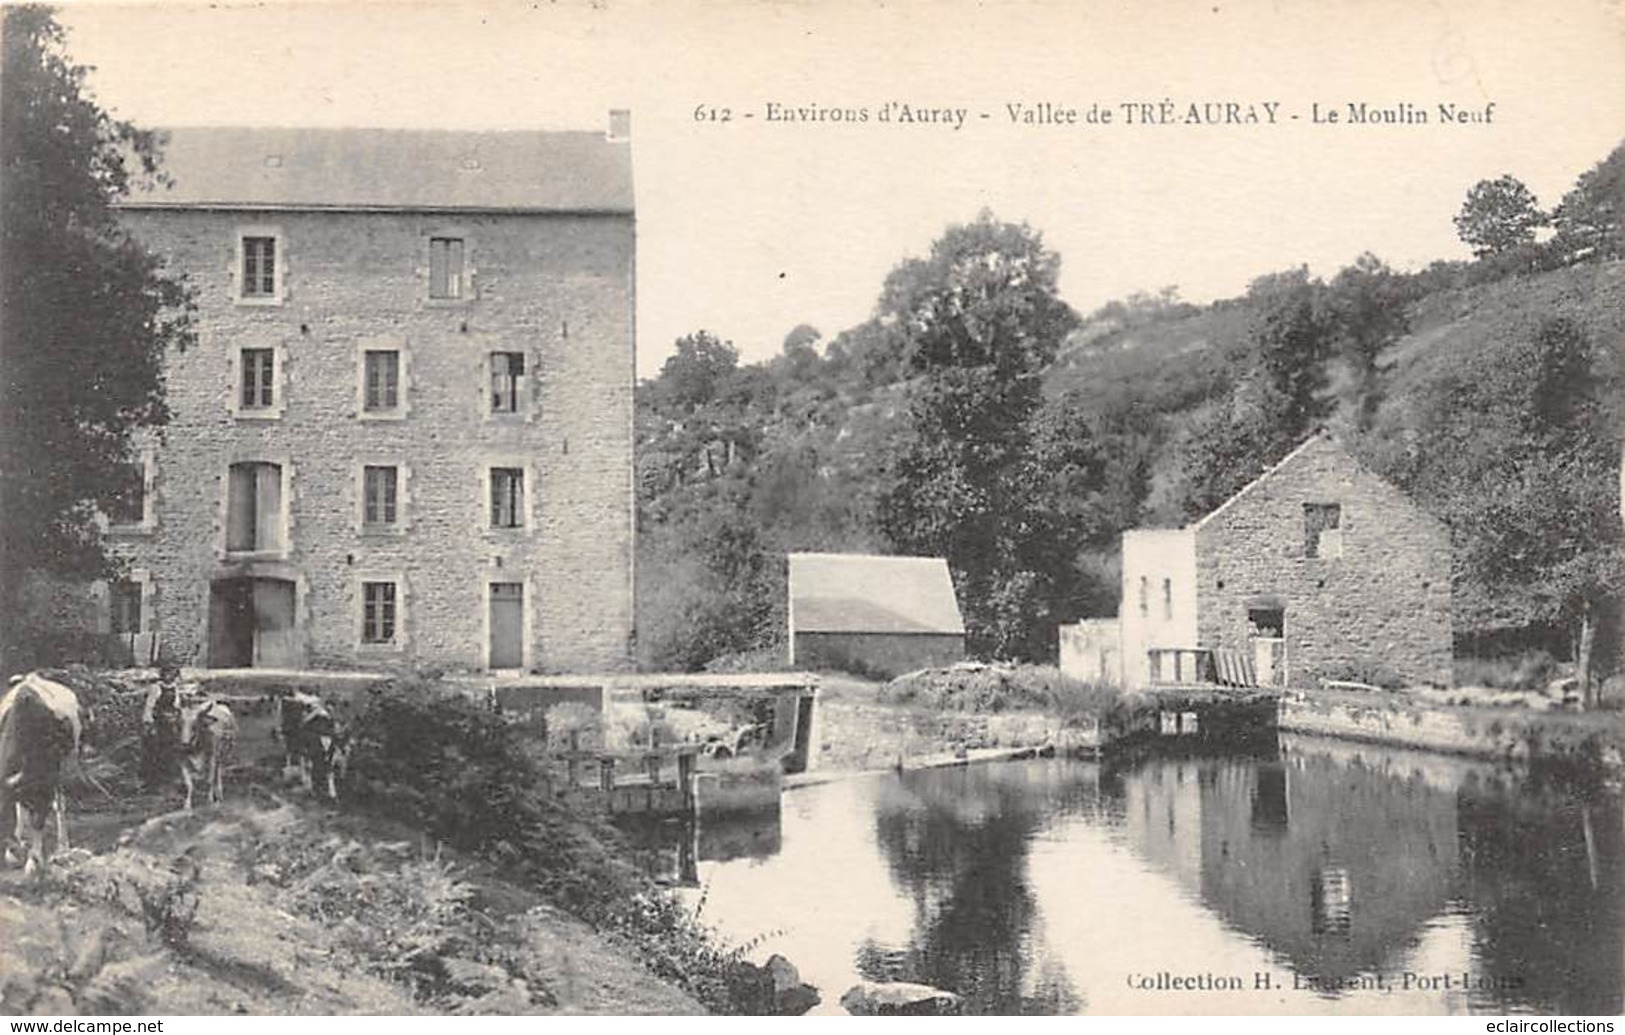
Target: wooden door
[(276, 643), (231, 624), (1267, 659), (507, 625)]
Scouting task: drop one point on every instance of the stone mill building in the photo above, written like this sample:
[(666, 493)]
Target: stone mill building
[(405, 432), (1317, 570)]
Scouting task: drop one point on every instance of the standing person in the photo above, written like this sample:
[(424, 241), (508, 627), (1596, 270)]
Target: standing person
[(161, 728)]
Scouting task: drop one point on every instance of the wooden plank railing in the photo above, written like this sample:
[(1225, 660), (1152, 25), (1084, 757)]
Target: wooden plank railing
[(1174, 665), (1204, 665)]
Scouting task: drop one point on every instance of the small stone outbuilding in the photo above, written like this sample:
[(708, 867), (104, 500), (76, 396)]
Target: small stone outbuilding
[(872, 615), (1317, 570)]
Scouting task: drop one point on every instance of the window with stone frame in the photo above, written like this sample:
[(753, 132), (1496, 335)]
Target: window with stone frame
[(254, 517), (1322, 530), (381, 377), (446, 275), (128, 506), (507, 497), (379, 602), (507, 381), (380, 487), (124, 608), (259, 267), (258, 389)]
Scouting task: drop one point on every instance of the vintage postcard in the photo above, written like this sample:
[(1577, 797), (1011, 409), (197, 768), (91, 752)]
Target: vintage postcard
[(813, 508)]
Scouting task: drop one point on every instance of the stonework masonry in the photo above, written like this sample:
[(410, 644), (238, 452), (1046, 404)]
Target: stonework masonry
[(1376, 597), (555, 287)]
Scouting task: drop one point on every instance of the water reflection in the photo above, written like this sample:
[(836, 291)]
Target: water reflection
[(1333, 870), (956, 846), (1545, 876), (671, 850)]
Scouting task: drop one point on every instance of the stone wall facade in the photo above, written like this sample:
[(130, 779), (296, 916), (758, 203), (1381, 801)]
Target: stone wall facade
[(877, 654), (1159, 598), (1369, 600), (556, 288)]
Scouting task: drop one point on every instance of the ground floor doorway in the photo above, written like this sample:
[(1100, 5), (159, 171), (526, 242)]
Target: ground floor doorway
[(507, 622), (252, 624)]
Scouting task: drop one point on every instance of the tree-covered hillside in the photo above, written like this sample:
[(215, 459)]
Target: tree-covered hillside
[(977, 417)]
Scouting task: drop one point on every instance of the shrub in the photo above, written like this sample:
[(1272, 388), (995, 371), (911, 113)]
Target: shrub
[(1371, 673), (1531, 670), (768, 658), (36, 647), (990, 689), (436, 759)]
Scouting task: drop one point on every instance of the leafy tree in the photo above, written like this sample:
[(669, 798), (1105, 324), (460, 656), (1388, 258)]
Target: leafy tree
[(1590, 220), (695, 374), (1279, 399), (88, 313), (1520, 457), (1366, 309), (977, 322), (1498, 216)]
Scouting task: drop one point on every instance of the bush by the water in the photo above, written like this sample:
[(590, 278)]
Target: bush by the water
[(988, 689), (1531, 670), (1370, 673), (434, 758)]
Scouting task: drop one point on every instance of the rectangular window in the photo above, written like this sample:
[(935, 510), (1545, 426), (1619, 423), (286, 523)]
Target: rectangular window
[(507, 497), (378, 612), (445, 267), (383, 379), (507, 373), (1167, 599), (1145, 597), (254, 507), (259, 267), (124, 608), (128, 505), (259, 378), (379, 489), (1322, 530)]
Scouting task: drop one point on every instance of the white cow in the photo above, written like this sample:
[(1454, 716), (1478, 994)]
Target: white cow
[(40, 728), (208, 731)]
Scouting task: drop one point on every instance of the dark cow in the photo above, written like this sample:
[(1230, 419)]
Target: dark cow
[(312, 740), (208, 731), (40, 727)]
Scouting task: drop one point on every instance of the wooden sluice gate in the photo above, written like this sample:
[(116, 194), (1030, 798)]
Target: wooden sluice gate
[(667, 745), (656, 780)]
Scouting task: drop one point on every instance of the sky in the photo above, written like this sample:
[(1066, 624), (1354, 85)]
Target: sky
[(752, 225)]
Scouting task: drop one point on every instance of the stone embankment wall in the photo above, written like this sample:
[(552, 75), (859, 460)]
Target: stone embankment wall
[(1593, 743)]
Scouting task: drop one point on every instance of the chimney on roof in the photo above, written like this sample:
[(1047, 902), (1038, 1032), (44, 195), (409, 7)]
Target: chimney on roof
[(620, 124)]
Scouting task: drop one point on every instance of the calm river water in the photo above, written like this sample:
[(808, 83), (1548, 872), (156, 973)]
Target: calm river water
[(1325, 877)]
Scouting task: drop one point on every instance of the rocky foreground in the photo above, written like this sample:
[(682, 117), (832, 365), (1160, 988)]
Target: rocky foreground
[(271, 907)]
